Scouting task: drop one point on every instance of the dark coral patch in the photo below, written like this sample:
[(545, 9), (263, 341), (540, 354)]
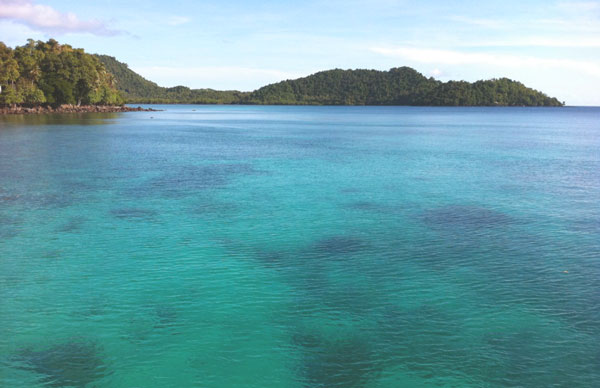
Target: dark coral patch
[(71, 364), (337, 245), (464, 217), (48, 200), (133, 213), (166, 316), (343, 362), (213, 207), (366, 206), (190, 179), (272, 259), (10, 226), (587, 225), (74, 224)]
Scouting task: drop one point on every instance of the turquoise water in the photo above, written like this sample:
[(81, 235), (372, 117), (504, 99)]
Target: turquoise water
[(241, 246)]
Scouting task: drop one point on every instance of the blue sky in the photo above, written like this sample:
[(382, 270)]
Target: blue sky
[(553, 46)]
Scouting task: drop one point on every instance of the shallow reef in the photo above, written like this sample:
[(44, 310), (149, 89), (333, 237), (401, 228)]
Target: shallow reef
[(70, 364), (464, 217)]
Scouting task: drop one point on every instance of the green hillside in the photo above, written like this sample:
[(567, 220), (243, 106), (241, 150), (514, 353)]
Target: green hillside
[(52, 73), (130, 83), (137, 89), (398, 86)]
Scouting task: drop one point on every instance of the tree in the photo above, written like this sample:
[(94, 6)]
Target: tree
[(9, 68), (48, 72)]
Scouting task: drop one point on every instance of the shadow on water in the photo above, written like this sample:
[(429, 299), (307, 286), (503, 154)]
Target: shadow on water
[(70, 364), (60, 119), (342, 362)]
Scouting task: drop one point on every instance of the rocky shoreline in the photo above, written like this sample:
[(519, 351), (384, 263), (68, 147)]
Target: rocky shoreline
[(19, 110)]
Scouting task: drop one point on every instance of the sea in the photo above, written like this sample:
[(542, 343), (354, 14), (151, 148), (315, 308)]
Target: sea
[(298, 246)]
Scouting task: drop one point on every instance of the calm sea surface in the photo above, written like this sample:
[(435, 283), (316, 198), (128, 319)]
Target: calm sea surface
[(242, 246)]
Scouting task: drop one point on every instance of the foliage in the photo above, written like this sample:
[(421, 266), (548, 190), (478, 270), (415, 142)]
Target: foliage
[(48, 72), (137, 89), (399, 86)]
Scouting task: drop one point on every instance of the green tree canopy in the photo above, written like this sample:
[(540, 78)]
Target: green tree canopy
[(40, 72)]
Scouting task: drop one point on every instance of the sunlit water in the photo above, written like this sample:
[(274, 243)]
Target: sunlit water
[(224, 246)]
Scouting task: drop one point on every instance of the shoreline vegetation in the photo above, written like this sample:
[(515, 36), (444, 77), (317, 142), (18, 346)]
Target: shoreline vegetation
[(67, 108), (48, 77)]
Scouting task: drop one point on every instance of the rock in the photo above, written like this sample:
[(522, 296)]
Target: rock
[(68, 108)]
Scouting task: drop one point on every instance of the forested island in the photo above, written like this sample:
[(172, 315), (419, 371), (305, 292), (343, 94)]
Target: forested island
[(56, 74), (398, 86), (52, 75)]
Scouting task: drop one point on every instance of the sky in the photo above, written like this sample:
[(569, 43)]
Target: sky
[(552, 46)]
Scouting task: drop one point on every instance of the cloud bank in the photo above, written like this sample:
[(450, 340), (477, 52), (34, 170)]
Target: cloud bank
[(178, 20), (47, 19)]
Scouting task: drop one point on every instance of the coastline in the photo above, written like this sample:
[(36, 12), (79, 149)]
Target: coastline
[(66, 108)]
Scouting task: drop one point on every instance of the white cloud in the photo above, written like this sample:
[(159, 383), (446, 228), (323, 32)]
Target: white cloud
[(47, 19), (449, 57), (178, 20), (574, 42), (436, 73), (479, 22), (580, 6), (14, 34)]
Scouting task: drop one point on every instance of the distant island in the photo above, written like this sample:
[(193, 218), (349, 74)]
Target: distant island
[(46, 76), (398, 86)]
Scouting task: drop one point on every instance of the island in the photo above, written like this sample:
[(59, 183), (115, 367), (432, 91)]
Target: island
[(48, 77), (42, 77), (398, 86)]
